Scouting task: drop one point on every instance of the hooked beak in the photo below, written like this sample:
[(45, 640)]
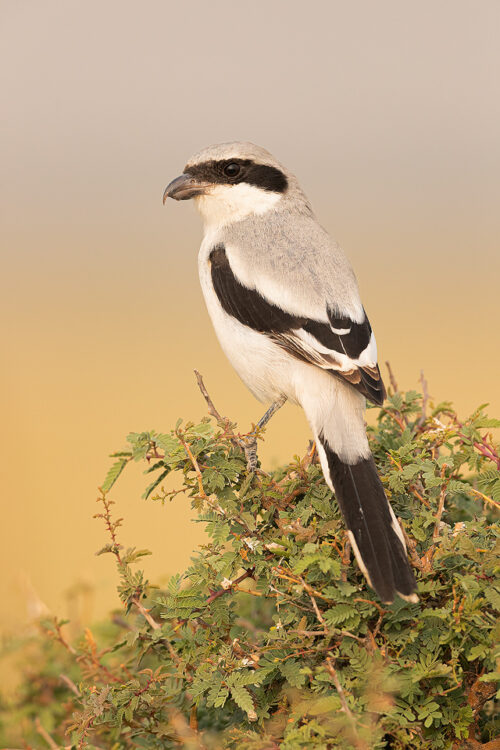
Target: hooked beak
[(185, 187)]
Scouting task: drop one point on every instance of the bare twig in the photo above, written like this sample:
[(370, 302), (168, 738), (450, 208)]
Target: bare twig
[(221, 592), (147, 616), (411, 547), (58, 635), (320, 617), (485, 498), (46, 736), (70, 684), (392, 379), (381, 610), (196, 467), (234, 439), (442, 498), (345, 558), (357, 741), (211, 407), (333, 674), (333, 631), (425, 399), (412, 487), (486, 449), (156, 626)]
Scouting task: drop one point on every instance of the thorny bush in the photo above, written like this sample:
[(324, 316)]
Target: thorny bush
[(271, 638)]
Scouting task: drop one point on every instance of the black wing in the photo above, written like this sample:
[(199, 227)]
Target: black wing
[(312, 341)]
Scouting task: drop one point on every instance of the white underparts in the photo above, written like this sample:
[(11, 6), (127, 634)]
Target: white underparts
[(226, 204)]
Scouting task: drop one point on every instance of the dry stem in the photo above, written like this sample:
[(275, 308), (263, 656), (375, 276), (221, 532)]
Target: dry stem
[(46, 736)]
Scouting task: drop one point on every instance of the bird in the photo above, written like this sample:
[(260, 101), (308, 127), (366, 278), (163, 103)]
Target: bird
[(286, 309)]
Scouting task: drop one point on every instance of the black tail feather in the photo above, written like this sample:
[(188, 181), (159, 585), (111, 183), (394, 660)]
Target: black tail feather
[(378, 546)]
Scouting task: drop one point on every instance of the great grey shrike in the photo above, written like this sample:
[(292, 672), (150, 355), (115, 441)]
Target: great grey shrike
[(286, 308)]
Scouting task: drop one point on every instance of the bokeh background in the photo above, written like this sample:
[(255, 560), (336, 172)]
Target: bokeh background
[(388, 112)]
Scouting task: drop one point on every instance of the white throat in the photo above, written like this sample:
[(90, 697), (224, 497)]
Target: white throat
[(225, 204)]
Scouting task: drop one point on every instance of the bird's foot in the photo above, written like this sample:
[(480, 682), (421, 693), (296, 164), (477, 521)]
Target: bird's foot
[(250, 442), (271, 411), (250, 449)]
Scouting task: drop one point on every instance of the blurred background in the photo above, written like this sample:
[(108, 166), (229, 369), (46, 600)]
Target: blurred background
[(389, 114)]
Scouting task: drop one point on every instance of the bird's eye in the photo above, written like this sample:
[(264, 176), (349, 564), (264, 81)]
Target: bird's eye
[(232, 169)]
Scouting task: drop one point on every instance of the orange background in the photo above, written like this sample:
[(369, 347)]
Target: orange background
[(389, 114)]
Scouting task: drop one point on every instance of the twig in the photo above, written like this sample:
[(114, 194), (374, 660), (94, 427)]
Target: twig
[(442, 497), (62, 640), (282, 573), (196, 467), (484, 448), (345, 558), (333, 673), (358, 742), (320, 617), (425, 399), (211, 407), (145, 613), (333, 631), (381, 610), (411, 547), (237, 442), (221, 592), (485, 498), (392, 379), (156, 626), (46, 736), (412, 487), (70, 684)]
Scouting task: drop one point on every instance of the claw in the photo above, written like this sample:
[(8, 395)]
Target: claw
[(250, 449)]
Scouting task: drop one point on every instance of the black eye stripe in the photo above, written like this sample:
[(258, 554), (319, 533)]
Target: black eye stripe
[(263, 176)]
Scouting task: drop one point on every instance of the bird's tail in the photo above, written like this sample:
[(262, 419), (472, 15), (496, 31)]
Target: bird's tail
[(373, 529)]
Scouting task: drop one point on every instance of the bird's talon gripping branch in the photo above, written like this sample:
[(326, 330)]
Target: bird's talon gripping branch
[(250, 449)]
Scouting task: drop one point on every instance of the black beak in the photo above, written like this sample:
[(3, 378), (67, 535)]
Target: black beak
[(185, 187)]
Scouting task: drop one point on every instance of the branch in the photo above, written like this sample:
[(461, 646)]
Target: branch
[(46, 736), (211, 407), (320, 617), (215, 414), (485, 498), (425, 399), (196, 467), (145, 613), (358, 742), (442, 497), (333, 673), (70, 684), (247, 574), (392, 379)]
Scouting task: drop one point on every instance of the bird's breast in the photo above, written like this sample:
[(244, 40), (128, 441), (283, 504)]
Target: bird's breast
[(263, 367)]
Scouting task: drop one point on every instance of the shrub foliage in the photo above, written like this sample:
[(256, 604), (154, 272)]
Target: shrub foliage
[(271, 638)]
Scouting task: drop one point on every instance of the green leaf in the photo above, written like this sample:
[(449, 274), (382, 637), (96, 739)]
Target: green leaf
[(243, 699), (113, 474), (155, 484)]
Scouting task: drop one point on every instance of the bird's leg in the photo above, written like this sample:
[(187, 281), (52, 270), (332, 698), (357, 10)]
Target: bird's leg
[(250, 447)]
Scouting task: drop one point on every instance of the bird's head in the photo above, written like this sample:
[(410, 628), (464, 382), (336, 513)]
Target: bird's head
[(230, 181)]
